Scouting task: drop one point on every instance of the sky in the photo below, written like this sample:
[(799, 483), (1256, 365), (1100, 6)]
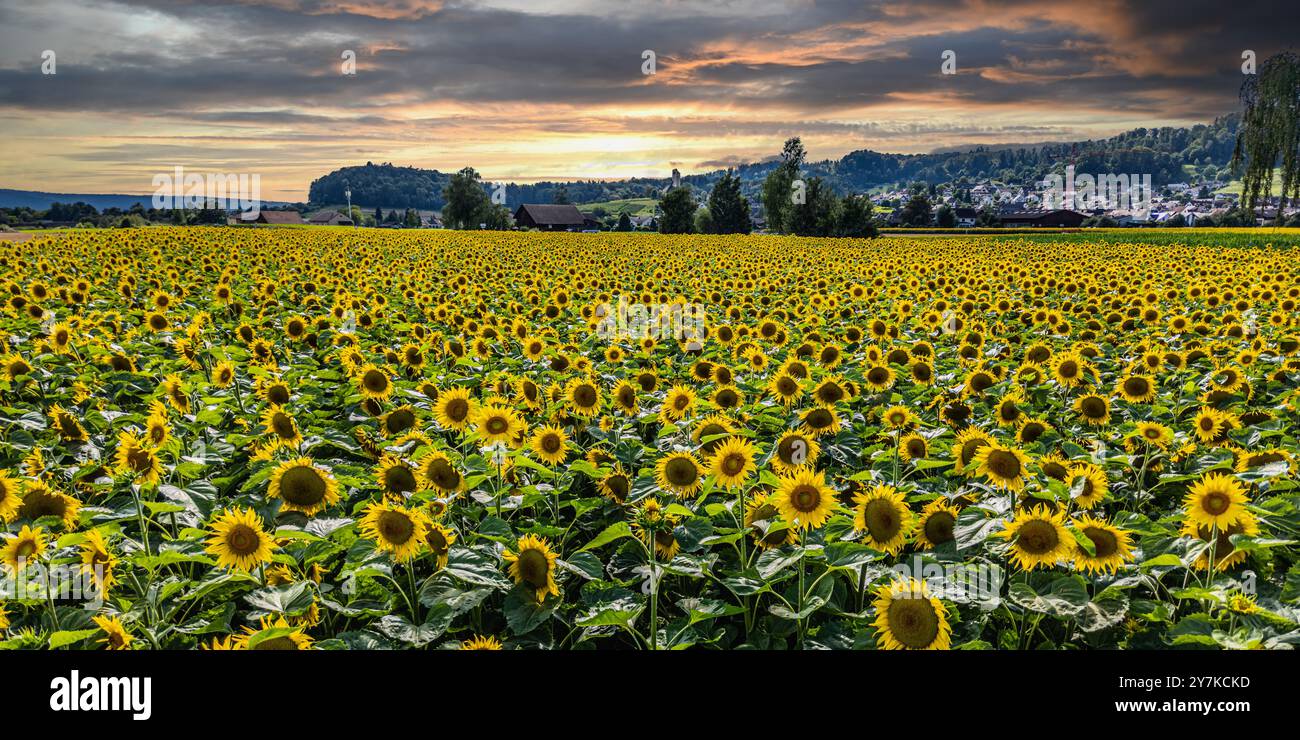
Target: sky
[(527, 90)]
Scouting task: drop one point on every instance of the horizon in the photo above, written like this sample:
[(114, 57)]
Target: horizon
[(260, 86)]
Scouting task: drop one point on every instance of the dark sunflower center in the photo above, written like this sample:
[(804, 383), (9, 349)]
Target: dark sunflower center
[(1103, 542), (1215, 503), (442, 474), (400, 420), (1037, 537), (302, 486), (882, 520), (805, 498), (733, 464), (436, 541), (1093, 407), (457, 409), (284, 642), (1137, 386), (681, 472), (396, 527), (551, 443), (283, 426), (399, 479), (969, 449), (497, 425), (913, 622), (26, 549), (819, 419), (618, 486), (584, 395), (1068, 369), (278, 394), (877, 376), (139, 459), (534, 567), (242, 540), (830, 393), (939, 526), (375, 381), (681, 402)]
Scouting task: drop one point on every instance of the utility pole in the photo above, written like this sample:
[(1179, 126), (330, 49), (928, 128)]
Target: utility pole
[(347, 191)]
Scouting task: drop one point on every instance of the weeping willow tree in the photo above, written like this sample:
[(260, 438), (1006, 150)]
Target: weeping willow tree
[(1269, 134)]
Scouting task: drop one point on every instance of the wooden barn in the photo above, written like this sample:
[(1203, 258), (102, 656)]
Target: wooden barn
[(549, 217), (277, 218)]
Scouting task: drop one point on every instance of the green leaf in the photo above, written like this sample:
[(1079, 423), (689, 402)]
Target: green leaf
[(68, 637), (613, 532)]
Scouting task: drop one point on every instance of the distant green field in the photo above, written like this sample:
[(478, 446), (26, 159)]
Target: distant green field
[(1234, 187), (632, 206)]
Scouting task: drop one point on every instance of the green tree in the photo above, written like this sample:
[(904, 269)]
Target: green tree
[(778, 186), (1269, 133), (678, 208), (379, 215), (624, 222), (855, 218), (728, 209), (917, 210), (945, 217), (817, 215), (412, 219), (356, 216), (561, 196), (467, 202)]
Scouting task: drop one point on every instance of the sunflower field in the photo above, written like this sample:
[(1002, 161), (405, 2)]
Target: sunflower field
[(338, 439)]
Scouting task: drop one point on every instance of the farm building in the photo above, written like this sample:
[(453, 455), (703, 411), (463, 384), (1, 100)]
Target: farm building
[(278, 218), (330, 218), (549, 217)]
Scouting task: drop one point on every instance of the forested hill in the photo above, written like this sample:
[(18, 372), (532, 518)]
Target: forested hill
[(1162, 152)]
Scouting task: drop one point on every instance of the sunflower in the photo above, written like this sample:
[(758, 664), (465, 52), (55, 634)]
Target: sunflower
[(763, 519), (1156, 435), (794, 450), (269, 635), (281, 427), (733, 462), (395, 529), (1226, 554), (583, 396), (1209, 424), (1090, 482), (804, 499), (396, 476), (303, 486), (1259, 458), (1216, 500), (1136, 389), (966, 448), (616, 485), (399, 420), (883, 516), (532, 565), (1004, 466), (625, 398), (157, 429), (820, 421), (1070, 369), (9, 498), (830, 391), (479, 642), (909, 618), (223, 374), (786, 388), (679, 473), (22, 548), (1112, 546), (936, 524), (454, 409), (1094, 409), (498, 424), (551, 444), (1039, 538), (238, 540), (373, 382), (898, 417), (69, 428), (678, 403), (115, 635), (98, 561), (880, 377), (174, 390), (438, 472), (39, 500), (439, 540)]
